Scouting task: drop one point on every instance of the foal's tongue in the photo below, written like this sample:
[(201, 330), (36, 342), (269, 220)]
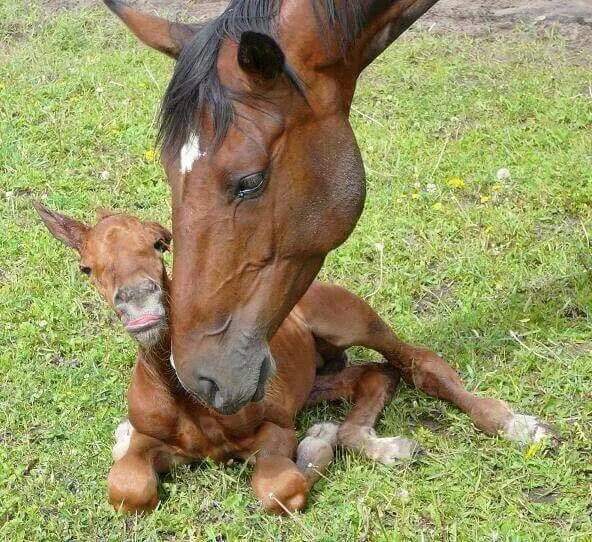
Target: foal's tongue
[(142, 321)]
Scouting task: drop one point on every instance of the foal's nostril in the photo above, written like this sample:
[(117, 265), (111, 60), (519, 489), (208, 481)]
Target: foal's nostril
[(207, 389), (118, 298)]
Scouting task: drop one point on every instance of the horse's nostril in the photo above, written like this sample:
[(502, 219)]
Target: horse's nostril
[(207, 389), (118, 298)]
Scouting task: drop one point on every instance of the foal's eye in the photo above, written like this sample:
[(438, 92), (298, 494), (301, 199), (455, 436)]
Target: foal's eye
[(251, 185), (161, 245), (85, 270)]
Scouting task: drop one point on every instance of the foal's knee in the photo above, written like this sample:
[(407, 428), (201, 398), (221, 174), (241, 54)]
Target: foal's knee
[(133, 485), (377, 378)]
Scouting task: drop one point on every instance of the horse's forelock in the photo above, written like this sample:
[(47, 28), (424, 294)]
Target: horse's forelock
[(196, 84)]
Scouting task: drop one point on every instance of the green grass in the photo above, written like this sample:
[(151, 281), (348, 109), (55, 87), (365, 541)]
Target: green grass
[(469, 277)]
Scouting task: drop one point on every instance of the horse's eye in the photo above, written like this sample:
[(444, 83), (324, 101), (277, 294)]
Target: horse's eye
[(85, 270), (161, 245), (251, 185)]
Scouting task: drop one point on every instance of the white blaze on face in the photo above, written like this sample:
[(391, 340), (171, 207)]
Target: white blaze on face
[(190, 152)]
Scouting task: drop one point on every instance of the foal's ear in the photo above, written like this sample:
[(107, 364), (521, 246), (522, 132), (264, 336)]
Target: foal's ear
[(164, 36), (163, 233), (69, 231), (104, 213), (260, 56)]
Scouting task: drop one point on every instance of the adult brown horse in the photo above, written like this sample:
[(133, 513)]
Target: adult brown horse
[(267, 178)]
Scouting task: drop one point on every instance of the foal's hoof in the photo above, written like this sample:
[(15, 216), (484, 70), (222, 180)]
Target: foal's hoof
[(279, 485), (389, 450), (525, 429), (326, 431)]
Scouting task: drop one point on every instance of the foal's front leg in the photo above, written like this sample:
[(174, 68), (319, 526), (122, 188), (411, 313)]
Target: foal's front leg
[(343, 320), (277, 481), (133, 479)]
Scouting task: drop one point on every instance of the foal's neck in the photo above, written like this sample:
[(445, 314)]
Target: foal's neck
[(157, 360), (157, 357)]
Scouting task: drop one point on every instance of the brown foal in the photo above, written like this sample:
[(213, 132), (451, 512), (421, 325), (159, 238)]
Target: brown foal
[(168, 425)]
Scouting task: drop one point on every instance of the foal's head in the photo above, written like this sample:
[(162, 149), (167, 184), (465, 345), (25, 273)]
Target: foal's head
[(122, 255)]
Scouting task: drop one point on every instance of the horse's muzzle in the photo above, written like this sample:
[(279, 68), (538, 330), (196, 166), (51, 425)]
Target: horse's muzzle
[(229, 391)]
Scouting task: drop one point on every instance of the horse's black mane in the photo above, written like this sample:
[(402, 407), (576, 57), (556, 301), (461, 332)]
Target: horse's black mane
[(195, 82)]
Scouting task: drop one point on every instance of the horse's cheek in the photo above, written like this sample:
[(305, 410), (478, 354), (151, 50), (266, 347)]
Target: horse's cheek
[(345, 190), (349, 193)]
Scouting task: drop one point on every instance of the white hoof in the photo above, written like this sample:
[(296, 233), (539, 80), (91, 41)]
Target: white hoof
[(389, 450), (123, 436), (326, 431), (525, 429)]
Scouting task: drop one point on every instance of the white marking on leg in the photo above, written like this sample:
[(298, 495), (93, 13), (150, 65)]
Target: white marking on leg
[(387, 450), (190, 152), (525, 429), (123, 436)]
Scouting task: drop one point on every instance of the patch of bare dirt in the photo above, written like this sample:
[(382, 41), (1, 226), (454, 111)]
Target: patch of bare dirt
[(573, 18)]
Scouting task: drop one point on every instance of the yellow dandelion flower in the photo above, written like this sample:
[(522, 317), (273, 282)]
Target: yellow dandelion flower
[(437, 206), (2, 86), (415, 195), (488, 229), (457, 182), (484, 199), (114, 132), (150, 154), (534, 448), (496, 187)]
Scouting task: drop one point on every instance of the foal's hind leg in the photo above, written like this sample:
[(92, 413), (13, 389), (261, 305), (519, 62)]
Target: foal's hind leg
[(343, 319), (371, 387)]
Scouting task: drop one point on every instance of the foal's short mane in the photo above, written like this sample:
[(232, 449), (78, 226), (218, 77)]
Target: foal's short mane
[(195, 83)]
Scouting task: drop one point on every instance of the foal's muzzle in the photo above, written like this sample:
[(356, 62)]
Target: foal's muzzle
[(141, 308)]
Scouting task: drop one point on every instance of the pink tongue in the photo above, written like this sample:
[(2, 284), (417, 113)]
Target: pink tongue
[(142, 321)]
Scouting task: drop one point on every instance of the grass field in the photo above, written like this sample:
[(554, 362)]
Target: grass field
[(495, 274)]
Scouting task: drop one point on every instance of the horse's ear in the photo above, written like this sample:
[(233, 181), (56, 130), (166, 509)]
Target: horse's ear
[(260, 56), (69, 231), (164, 36)]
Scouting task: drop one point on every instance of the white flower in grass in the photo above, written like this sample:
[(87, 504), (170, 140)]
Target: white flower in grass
[(503, 174)]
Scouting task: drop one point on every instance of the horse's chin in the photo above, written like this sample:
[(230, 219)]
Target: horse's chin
[(149, 338)]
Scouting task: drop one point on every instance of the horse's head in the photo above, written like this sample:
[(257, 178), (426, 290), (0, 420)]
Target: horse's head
[(122, 255), (265, 172)]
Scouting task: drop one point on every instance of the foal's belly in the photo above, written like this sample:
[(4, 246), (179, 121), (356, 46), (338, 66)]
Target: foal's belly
[(294, 350)]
